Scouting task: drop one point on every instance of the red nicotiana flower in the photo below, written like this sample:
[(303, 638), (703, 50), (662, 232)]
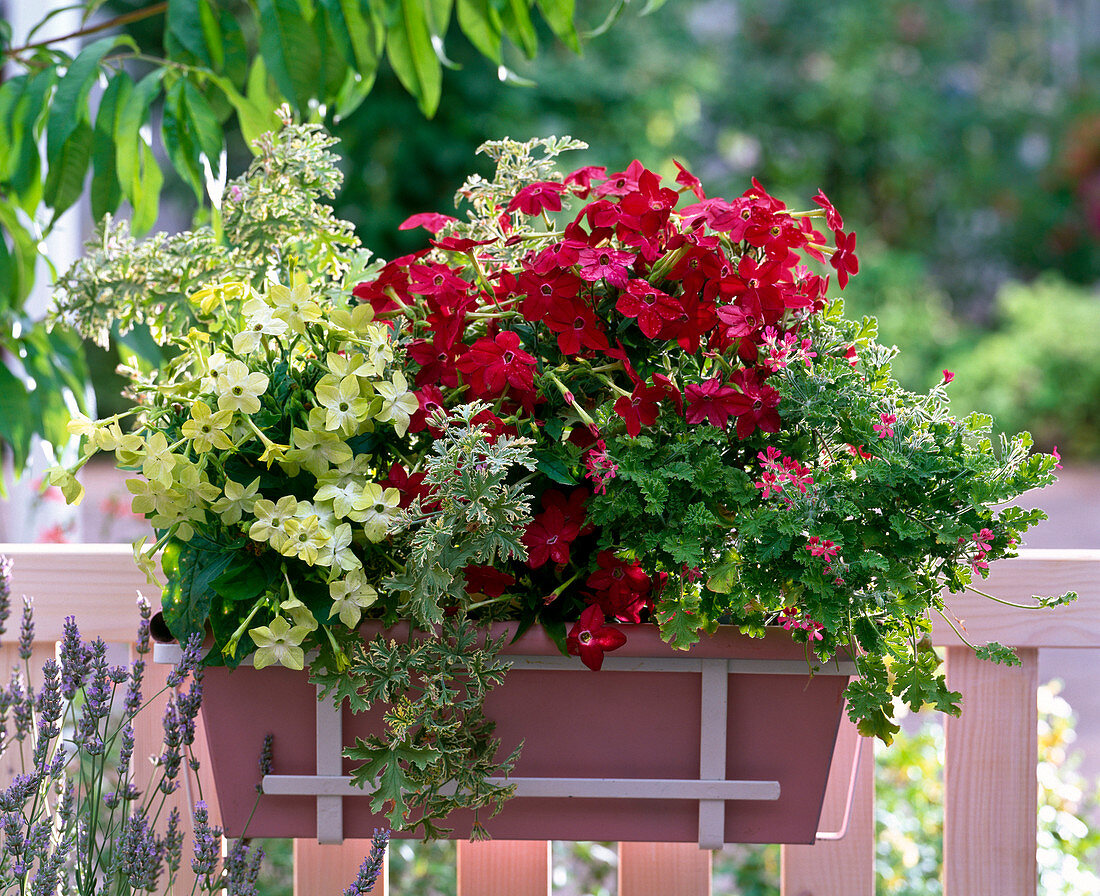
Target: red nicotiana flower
[(832, 216), (410, 487), (436, 359), (712, 401), (491, 365), (844, 259), (688, 180), (538, 197), (430, 221), (605, 263), (487, 580), (541, 291), (622, 182), (433, 279), (590, 638), (652, 308), (622, 589), (548, 537), (577, 327), (581, 179), (639, 408), (756, 406)]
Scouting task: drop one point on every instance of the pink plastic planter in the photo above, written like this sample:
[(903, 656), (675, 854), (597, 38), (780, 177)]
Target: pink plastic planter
[(645, 748)]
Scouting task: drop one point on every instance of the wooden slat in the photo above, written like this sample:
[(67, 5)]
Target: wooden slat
[(96, 583), (327, 870), (843, 867), (664, 869), (1034, 572), (504, 868), (989, 778)]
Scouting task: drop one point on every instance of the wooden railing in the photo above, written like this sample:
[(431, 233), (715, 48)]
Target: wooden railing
[(990, 781)]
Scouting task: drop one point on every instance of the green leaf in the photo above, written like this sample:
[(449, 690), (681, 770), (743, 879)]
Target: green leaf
[(255, 117), (70, 104), (559, 16), (382, 769), (185, 27), (190, 573), (245, 579), (147, 191), (106, 192), (178, 142), (65, 170), (555, 468), (139, 175), (410, 52), (16, 420), (516, 18), (290, 50), (28, 119), (207, 130), (480, 22), (366, 36), (22, 254)]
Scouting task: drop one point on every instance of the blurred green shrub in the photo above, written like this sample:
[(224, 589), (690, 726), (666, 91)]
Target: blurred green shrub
[(1038, 369)]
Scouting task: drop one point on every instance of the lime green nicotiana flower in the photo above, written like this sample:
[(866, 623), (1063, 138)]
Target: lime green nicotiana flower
[(237, 499), (398, 403), (351, 363), (260, 321), (278, 643), (304, 539), (158, 462), (337, 552), (239, 389), (299, 613), (317, 451), (375, 509), (271, 519), (295, 306), (206, 430), (350, 596), (343, 401)]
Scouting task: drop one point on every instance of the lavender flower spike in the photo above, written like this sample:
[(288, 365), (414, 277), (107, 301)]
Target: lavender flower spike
[(5, 591), (372, 865), (26, 629)]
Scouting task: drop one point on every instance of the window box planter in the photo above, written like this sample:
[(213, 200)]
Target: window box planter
[(728, 742)]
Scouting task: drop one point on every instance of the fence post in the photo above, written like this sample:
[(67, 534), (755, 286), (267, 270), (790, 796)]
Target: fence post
[(664, 869), (327, 869), (504, 868), (990, 786), (844, 867)]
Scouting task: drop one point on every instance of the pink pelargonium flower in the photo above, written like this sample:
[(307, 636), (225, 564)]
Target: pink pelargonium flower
[(886, 427), (590, 638)]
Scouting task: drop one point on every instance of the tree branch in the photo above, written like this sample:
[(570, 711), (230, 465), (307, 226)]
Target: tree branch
[(136, 16)]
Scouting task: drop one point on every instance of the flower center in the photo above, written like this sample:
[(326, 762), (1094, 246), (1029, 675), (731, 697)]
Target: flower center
[(585, 637), (508, 356)]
